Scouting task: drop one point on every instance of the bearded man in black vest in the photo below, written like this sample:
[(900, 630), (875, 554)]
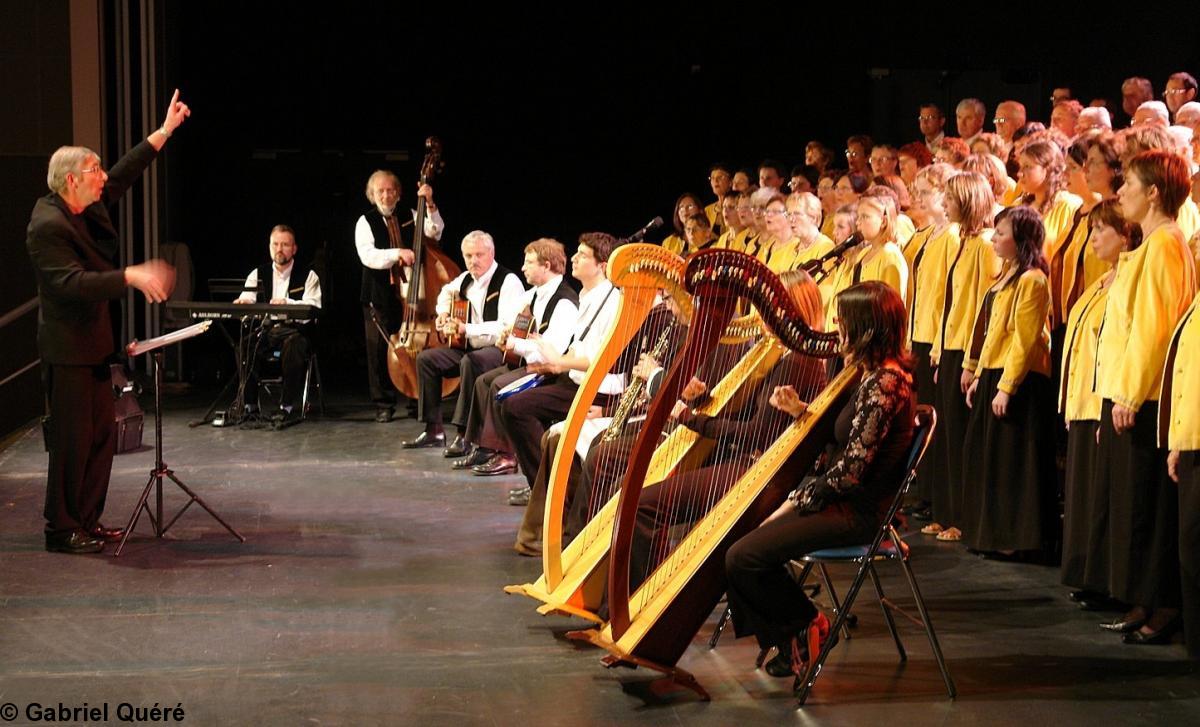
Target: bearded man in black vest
[(284, 282), (494, 295), (383, 244)]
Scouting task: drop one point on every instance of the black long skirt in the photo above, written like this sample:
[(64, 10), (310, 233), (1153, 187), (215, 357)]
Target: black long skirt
[(926, 394), (1009, 480), (1189, 548), (1085, 527), (946, 447), (1143, 512)]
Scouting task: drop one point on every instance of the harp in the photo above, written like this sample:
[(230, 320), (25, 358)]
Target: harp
[(574, 577), (653, 624)]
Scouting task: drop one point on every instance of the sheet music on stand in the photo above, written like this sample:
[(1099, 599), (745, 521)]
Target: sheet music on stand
[(137, 348)]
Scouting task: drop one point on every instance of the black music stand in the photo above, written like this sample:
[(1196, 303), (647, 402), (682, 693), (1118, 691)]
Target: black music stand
[(155, 347)]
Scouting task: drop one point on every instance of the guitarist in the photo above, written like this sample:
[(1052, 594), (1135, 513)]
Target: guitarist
[(493, 295), (384, 250), (552, 307)]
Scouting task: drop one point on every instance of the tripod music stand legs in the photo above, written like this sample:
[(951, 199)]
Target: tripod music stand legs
[(156, 479)]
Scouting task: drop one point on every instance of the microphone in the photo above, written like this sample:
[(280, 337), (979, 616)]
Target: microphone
[(835, 254), (652, 225)]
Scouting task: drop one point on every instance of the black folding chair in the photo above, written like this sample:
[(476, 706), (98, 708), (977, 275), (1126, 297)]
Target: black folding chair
[(887, 545)]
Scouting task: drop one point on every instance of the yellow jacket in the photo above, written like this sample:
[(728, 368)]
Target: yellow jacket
[(1077, 399), (1078, 268), (1188, 218), (1153, 286), (827, 225), (1178, 413), (727, 240), (1013, 195), (886, 265), (1057, 222), (927, 282), (1017, 338), (715, 220), (676, 244), (904, 229), (973, 268)]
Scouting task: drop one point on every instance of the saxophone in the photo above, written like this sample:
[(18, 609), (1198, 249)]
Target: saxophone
[(634, 392)]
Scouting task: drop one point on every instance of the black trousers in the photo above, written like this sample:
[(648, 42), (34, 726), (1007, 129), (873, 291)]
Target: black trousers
[(481, 421), (294, 347), (1189, 548), (379, 383), (765, 600), (82, 440), (525, 416), (436, 364)]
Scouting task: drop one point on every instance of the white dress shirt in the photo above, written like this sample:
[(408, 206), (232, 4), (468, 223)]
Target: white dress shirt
[(384, 258), (597, 314), (560, 328), (481, 333), (282, 287)]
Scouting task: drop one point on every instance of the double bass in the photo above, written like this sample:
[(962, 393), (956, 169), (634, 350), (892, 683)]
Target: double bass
[(417, 289)]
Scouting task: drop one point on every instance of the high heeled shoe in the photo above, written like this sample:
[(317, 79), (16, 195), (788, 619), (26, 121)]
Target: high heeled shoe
[(1154, 638)]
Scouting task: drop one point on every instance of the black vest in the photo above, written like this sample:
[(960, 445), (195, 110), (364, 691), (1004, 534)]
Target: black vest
[(491, 303), (377, 284), (563, 292), (266, 281)]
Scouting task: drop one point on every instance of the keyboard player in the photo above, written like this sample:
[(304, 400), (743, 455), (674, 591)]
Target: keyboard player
[(290, 283)]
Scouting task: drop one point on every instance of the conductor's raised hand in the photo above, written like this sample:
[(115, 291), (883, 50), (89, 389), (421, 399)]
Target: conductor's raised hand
[(154, 278), (177, 112)]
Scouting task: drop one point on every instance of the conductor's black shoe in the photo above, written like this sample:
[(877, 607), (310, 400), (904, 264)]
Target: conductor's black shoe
[(457, 448), (425, 439), (109, 535), (74, 542), (478, 455), (383, 416)]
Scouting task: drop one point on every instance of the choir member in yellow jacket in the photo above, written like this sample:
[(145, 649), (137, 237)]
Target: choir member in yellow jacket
[(880, 258), (732, 226), (1086, 540), (1009, 480), (840, 270), (1179, 430), (1148, 137), (1153, 286), (720, 179), (928, 253), (826, 192), (775, 248), (698, 233), (970, 271), (686, 206)]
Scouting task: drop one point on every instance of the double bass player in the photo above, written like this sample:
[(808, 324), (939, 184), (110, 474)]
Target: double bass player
[(386, 253)]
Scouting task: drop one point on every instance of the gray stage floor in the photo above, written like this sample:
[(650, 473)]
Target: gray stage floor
[(369, 592)]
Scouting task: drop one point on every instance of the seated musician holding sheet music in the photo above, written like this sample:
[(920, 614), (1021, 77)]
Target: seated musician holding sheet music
[(548, 312), (493, 295), (289, 283)]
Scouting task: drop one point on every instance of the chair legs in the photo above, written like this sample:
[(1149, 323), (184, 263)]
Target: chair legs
[(933, 641), (886, 607), (312, 381), (716, 635)]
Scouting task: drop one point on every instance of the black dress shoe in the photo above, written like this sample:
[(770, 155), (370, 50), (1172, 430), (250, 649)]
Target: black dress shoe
[(1121, 626), (500, 463), (425, 439), (1154, 638), (478, 455), (457, 448), (109, 535), (74, 542), (284, 418), (383, 416), (781, 665)]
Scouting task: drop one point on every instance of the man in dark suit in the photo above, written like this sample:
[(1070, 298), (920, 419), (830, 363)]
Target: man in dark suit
[(73, 245)]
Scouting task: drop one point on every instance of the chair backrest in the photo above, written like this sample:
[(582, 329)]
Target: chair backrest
[(926, 422)]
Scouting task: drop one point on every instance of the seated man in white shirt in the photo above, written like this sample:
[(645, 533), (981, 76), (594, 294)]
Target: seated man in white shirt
[(287, 283), (553, 306), (523, 417), (493, 295)]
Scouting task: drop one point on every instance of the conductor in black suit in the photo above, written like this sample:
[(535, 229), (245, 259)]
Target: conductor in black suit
[(74, 247)]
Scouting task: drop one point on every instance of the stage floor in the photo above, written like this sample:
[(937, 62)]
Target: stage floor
[(368, 591)]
